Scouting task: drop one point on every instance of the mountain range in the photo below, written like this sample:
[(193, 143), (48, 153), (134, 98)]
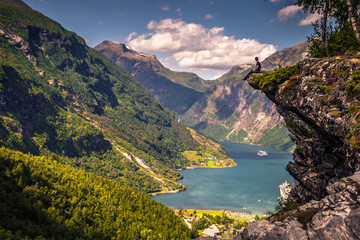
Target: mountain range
[(225, 108), (176, 90), (58, 96), (81, 140)]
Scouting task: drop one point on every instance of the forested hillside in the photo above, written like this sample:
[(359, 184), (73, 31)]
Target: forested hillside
[(43, 199), (60, 97)]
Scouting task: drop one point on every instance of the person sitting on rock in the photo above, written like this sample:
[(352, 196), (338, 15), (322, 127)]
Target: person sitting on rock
[(256, 70)]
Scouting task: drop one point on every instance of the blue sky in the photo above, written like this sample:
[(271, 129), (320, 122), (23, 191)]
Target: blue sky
[(207, 37)]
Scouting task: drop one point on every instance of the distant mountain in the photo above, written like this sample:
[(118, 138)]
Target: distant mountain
[(176, 90), (60, 98), (233, 111), (286, 57)]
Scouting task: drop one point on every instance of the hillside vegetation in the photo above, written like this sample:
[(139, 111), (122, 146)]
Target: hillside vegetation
[(43, 199), (58, 96)]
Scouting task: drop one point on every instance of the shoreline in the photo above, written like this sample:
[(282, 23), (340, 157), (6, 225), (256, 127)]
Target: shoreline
[(191, 168), (220, 211), (185, 188), (168, 192)]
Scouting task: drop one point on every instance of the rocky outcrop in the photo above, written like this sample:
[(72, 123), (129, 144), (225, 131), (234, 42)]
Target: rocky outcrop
[(321, 106), (321, 112), (334, 217)]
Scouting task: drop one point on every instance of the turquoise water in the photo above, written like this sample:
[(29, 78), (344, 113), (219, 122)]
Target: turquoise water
[(252, 186)]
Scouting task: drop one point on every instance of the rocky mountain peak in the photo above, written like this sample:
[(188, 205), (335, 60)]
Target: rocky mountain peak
[(126, 51), (286, 57), (235, 71), (176, 90)]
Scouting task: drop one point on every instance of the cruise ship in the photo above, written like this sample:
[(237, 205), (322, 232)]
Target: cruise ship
[(285, 189), (262, 153)]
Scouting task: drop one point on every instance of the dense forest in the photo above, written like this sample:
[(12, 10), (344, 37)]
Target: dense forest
[(44, 199), (60, 97)]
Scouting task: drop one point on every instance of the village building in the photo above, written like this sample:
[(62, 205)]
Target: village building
[(211, 231)]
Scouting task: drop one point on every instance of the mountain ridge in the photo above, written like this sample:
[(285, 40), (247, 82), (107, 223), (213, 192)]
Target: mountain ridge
[(176, 90)]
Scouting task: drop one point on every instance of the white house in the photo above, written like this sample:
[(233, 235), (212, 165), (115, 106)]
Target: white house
[(211, 231)]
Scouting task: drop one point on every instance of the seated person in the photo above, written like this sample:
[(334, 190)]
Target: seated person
[(256, 70)]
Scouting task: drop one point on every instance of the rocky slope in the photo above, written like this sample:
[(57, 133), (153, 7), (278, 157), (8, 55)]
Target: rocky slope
[(176, 90), (320, 102), (334, 217), (286, 57), (232, 111)]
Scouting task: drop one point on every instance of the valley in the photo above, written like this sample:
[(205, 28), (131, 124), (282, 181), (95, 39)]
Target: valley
[(225, 109), (101, 139)]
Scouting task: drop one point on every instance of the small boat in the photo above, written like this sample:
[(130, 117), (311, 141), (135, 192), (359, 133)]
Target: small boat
[(285, 189), (262, 153)]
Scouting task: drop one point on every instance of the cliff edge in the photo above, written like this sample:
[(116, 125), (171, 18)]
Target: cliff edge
[(320, 102)]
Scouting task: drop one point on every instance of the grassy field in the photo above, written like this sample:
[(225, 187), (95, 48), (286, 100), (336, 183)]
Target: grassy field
[(211, 164), (239, 216), (206, 159)]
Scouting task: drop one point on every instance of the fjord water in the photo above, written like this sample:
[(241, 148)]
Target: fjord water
[(252, 186)]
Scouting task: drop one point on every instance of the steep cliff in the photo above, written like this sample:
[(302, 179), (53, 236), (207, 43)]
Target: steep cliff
[(320, 102)]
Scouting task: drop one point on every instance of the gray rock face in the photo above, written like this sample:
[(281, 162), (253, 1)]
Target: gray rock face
[(334, 217), (316, 105), (321, 106)]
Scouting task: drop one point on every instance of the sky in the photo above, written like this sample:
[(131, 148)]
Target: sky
[(207, 37)]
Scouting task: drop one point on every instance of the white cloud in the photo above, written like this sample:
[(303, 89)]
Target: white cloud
[(209, 16), (165, 8), (100, 22), (311, 18), (217, 76), (291, 11), (288, 12), (131, 35), (274, 1), (178, 11), (194, 46)]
